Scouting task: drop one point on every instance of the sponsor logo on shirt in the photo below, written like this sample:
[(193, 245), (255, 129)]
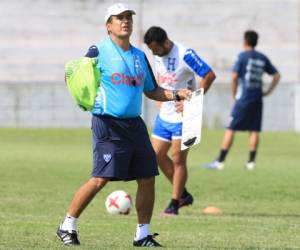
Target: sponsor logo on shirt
[(168, 78), (121, 78)]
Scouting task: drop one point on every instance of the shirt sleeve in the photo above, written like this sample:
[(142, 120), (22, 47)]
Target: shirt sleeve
[(197, 65), (92, 52), (270, 69), (150, 82)]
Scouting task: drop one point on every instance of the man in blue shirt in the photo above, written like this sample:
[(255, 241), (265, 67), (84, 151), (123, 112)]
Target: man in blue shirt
[(247, 90), (121, 146)]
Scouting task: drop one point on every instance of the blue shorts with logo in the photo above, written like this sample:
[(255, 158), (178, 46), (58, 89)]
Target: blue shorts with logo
[(246, 116), (166, 131), (122, 149)]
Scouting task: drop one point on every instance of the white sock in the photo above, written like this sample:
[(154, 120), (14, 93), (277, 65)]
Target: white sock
[(69, 224), (142, 231)]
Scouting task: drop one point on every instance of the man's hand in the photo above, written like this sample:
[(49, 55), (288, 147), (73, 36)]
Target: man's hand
[(273, 84), (184, 94), (207, 81), (179, 106), (165, 95)]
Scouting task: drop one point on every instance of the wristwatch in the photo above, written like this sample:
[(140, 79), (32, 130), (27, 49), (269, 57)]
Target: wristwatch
[(176, 97)]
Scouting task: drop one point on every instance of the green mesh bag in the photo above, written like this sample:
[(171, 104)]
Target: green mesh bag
[(83, 80)]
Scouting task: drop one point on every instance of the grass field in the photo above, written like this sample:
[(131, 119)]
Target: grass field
[(41, 169)]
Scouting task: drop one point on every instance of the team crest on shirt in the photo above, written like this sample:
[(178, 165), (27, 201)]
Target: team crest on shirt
[(137, 62), (171, 63), (106, 157)]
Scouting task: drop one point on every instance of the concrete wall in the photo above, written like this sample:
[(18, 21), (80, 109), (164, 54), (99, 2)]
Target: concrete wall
[(39, 105), (278, 113), (297, 108), (50, 105), (38, 36)]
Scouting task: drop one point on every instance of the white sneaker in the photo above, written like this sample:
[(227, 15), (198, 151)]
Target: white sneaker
[(250, 165), (214, 165)]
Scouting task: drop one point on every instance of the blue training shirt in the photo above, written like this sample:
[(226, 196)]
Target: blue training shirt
[(250, 67), (125, 76)]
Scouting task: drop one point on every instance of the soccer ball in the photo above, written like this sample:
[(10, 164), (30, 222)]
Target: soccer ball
[(118, 202)]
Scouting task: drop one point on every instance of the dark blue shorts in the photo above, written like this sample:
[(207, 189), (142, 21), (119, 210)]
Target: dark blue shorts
[(246, 116), (122, 149)]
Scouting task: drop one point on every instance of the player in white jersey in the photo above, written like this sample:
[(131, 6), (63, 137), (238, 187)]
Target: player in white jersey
[(176, 68)]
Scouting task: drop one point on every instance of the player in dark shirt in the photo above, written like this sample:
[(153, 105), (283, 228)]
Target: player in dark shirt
[(247, 90)]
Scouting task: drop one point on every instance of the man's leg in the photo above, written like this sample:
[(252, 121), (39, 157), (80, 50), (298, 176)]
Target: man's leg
[(253, 145), (165, 163), (227, 140), (144, 206), (225, 147), (180, 196), (180, 169), (253, 140), (145, 199), (85, 194), (67, 232)]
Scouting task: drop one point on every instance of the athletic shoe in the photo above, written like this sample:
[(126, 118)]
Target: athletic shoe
[(147, 242), (214, 165), (69, 238), (250, 165), (186, 201), (170, 211)]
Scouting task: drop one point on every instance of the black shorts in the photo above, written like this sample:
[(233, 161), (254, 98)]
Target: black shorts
[(246, 116), (122, 149)]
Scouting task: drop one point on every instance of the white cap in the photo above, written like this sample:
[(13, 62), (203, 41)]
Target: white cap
[(117, 9)]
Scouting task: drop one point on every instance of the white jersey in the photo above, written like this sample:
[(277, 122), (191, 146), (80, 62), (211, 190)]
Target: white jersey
[(177, 71)]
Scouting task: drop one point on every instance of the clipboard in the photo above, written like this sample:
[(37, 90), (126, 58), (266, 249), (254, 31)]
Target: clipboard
[(192, 120)]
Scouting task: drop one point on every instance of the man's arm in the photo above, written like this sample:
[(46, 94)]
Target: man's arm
[(273, 84), (158, 103), (164, 95), (234, 84), (207, 80), (197, 66), (205, 83)]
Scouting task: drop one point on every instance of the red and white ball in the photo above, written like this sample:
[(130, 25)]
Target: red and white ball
[(118, 202)]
